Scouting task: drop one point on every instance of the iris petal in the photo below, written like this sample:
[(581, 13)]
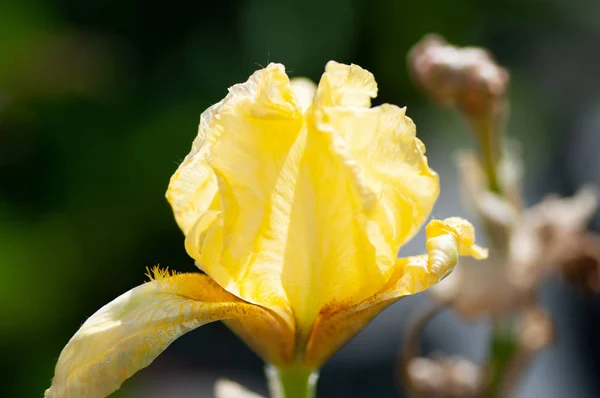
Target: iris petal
[(127, 334), (446, 240)]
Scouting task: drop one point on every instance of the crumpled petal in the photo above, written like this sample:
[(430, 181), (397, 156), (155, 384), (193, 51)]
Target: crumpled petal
[(127, 334), (348, 86), (328, 257), (382, 142), (371, 157), (546, 233), (383, 156), (193, 188), (446, 241), (240, 242), (541, 239)]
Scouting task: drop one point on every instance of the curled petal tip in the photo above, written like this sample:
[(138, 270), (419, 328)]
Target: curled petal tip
[(478, 252)]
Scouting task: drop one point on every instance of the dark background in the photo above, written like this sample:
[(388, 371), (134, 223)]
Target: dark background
[(100, 101)]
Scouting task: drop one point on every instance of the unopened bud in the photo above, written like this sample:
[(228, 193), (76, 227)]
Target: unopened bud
[(466, 77)]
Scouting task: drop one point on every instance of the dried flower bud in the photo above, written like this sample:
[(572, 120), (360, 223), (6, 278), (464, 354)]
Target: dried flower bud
[(466, 77), (545, 238), (444, 377), (535, 329), (549, 235)]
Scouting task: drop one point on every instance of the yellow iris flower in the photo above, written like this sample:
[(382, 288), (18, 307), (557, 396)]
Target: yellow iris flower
[(294, 201)]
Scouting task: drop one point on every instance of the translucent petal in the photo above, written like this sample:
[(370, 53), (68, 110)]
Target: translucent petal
[(127, 334), (193, 187), (446, 240), (328, 257), (382, 142), (334, 327), (363, 189), (345, 85), (257, 125)]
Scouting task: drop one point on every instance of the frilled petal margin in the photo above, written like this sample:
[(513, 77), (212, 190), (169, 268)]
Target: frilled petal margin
[(446, 241), (127, 334)]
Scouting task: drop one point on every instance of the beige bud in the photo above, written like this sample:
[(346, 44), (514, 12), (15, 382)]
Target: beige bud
[(465, 77)]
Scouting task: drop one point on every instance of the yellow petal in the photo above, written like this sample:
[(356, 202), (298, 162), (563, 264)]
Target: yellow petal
[(446, 240), (328, 257), (382, 141), (193, 187), (359, 161), (462, 231), (127, 334), (240, 247), (346, 85), (336, 326)]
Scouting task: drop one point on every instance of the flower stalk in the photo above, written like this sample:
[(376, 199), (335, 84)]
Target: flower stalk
[(470, 80), (489, 136), (503, 349), (292, 382)]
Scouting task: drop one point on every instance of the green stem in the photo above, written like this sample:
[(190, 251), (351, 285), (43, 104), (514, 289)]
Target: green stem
[(503, 349), (490, 141), (292, 382)]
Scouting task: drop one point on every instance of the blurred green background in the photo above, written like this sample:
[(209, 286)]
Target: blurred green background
[(100, 101)]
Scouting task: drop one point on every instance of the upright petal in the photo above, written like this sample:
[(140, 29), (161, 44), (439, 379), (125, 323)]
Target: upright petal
[(127, 334), (363, 188), (347, 86), (193, 187), (328, 257), (446, 241), (383, 143), (239, 243)]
